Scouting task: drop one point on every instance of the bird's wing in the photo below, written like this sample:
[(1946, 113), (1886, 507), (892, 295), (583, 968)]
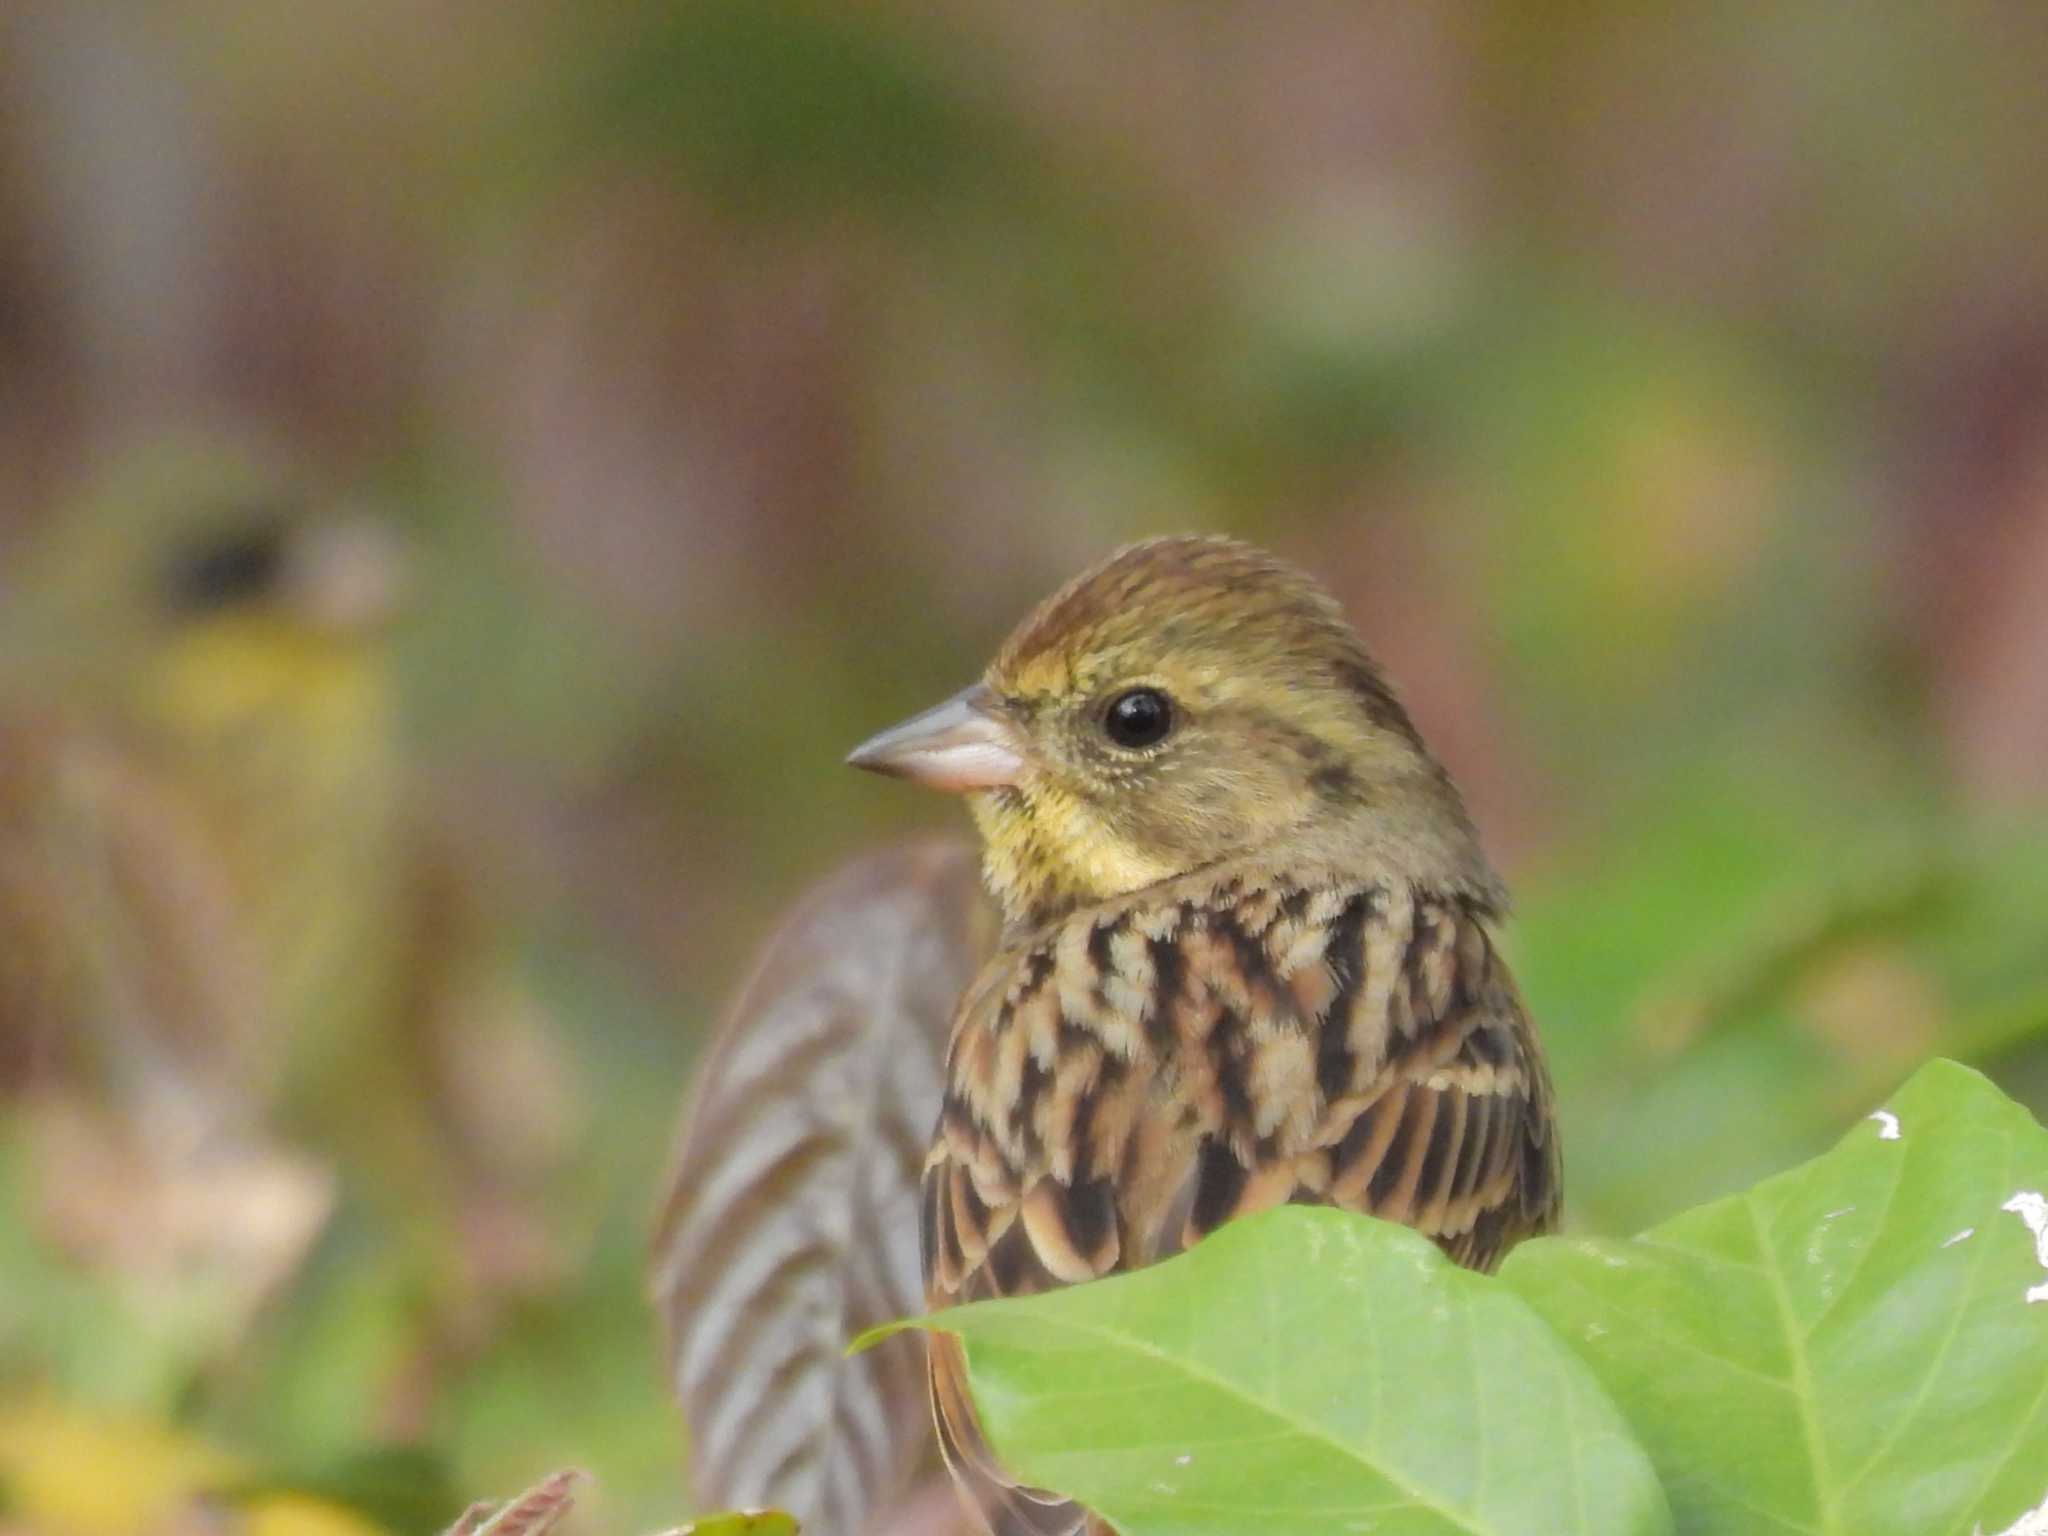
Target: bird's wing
[(791, 1215), (128, 959), (1449, 1124), (1151, 1069)]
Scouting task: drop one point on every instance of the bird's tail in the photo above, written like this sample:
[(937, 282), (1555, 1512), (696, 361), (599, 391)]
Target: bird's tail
[(1008, 1508)]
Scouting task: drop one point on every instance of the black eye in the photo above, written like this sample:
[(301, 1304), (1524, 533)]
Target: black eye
[(229, 569), (1139, 718)]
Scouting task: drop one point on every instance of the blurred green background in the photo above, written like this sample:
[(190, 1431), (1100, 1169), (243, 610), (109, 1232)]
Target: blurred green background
[(1666, 396)]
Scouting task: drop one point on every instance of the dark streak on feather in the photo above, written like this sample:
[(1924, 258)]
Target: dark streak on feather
[(1253, 963), (1388, 1173), (1479, 1110), (1227, 1044), (1089, 1211), (1168, 970), (1440, 1151), (1009, 1260), (1078, 1138), (1295, 904), (1219, 1182), (1031, 1083), (1344, 953)]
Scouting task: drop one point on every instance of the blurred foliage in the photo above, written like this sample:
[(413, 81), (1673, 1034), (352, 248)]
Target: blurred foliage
[(786, 109), (109, 1474), (1666, 396)]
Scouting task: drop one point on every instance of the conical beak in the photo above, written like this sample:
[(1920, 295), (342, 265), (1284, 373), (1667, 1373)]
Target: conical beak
[(348, 573), (960, 745)]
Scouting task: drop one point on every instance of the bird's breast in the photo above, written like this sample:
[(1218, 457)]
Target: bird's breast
[(1225, 1007)]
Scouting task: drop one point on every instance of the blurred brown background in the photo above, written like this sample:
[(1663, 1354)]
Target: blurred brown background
[(1666, 397)]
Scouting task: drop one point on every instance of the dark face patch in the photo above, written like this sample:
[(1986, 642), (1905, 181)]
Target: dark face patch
[(243, 564), (1334, 781), (1377, 696)]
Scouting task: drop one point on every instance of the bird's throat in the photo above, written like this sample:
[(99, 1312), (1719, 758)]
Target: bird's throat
[(1045, 854)]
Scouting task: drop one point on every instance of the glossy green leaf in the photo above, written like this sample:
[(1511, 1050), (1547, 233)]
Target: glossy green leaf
[(1306, 1371), (1851, 1347)]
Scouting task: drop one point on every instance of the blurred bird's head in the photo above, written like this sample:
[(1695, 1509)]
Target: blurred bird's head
[(266, 607), (226, 636), (1186, 701), (193, 591)]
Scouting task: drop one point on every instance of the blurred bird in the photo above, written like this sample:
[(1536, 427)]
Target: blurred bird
[(221, 919), (1246, 956), (199, 709)]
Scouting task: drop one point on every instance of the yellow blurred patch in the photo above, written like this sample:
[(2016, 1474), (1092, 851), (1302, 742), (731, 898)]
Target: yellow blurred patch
[(298, 1514), (69, 1472), (231, 670)]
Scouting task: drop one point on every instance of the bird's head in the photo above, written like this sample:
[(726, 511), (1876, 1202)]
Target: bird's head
[(264, 605), (225, 635), (1186, 701), (190, 589)]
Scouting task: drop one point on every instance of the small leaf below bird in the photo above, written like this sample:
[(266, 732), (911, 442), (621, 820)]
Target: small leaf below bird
[(742, 1522)]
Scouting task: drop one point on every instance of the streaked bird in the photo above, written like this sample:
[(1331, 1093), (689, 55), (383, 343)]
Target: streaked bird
[(1247, 956)]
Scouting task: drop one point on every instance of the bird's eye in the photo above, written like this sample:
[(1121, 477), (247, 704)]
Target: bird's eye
[(231, 568), (1139, 717)]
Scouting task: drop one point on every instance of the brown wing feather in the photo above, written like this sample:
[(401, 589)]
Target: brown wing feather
[(789, 1220), (1146, 1071)]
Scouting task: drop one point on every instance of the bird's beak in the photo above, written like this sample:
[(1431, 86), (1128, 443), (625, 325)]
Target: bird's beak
[(348, 573), (960, 745)]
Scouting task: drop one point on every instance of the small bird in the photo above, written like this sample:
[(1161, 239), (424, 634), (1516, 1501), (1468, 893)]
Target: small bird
[(248, 989), (200, 714), (1246, 956)]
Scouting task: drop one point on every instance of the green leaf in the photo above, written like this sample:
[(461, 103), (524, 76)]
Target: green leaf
[(1305, 1371), (742, 1522), (1848, 1347)]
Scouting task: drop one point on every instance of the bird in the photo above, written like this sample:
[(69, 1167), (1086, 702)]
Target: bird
[(245, 978), (199, 702), (1247, 956)]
